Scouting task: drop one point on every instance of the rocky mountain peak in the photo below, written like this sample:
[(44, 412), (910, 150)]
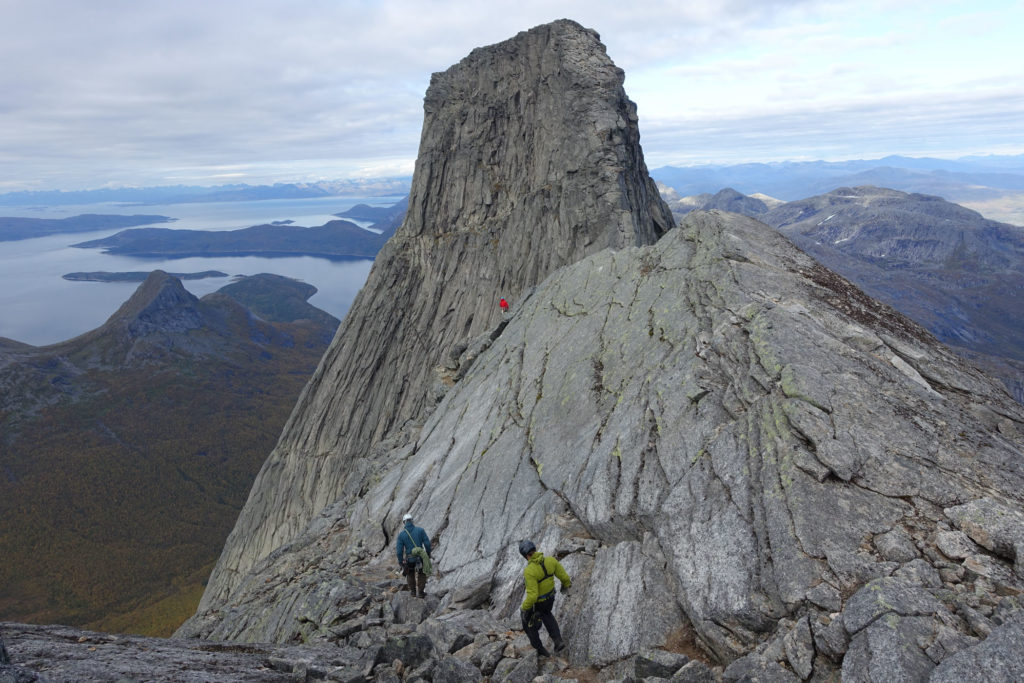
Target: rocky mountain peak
[(529, 160), (725, 443), (161, 303)]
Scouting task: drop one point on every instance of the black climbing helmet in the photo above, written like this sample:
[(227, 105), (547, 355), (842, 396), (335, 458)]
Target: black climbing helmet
[(526, 547)]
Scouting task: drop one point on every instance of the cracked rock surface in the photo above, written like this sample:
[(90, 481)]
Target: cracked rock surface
[(716, 436), (738, 455), (529, 160)]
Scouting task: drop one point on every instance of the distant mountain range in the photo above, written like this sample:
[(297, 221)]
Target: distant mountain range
[(126, 453), (950, 269), (964, 179), (180, 194), (968, 178)]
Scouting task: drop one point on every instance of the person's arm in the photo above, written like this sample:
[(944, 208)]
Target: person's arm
[(398, 547)]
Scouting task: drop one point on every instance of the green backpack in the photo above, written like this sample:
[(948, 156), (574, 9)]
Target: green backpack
[(420, 552)]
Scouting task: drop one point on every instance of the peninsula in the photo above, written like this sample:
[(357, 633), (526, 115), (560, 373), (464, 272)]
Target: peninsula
[(13, 228), (135, 276), (338, 239)]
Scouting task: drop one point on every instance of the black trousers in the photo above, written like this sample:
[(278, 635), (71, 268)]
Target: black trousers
[(415, 577), (542, 615)]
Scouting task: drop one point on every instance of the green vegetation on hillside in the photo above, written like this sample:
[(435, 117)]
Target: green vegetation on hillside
[(119, 484)]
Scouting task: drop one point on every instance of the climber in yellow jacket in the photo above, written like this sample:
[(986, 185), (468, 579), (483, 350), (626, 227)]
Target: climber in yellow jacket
[(539, 575)]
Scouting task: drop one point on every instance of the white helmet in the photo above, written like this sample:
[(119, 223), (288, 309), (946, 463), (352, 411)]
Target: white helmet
[(406, 517)]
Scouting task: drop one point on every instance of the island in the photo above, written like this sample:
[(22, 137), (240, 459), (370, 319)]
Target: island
[(335, 240), (13, 228), (375, 214), (136, 276)]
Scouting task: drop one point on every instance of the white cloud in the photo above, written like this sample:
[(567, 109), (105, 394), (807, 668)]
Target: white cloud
[(142, 93)]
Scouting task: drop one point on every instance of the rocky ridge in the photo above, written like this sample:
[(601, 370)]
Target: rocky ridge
[(819, 484), (947, 267), (733, 450), (529, 160), (943, 265)]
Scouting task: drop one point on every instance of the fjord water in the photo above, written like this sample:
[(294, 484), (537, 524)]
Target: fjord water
[(38, 306)]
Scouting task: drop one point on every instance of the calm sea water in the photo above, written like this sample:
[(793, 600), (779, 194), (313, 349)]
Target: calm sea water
[(38, 306)]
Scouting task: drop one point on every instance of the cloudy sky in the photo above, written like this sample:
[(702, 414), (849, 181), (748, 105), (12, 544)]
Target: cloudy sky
[(111, 93)]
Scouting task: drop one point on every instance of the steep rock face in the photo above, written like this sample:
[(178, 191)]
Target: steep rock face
[(714, 434), (529, 160)]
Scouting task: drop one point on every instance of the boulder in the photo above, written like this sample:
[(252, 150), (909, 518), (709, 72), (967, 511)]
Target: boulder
[(454, 670), (994, 526), (446, 636), (889, 650), (694, 672), (519, 670), (997, 658), (409, 609), (412, 650), (658, 663)]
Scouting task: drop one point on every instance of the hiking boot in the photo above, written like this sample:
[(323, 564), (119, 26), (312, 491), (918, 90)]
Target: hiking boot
[(543, 653), (560, 645)]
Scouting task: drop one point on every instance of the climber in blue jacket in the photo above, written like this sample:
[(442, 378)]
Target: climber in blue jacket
[(410, 538)]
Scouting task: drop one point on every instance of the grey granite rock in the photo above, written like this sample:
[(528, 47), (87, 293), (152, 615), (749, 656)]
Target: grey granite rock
[(955, 544), (453, 631), (454, 670), (754, 668), (411, 650), (896, 545), (694, 672), (799, 644), (409, 609), (887, 596), (658, 663), (715, 434), (487, 656), (522, 670), (61, 653), (581, 420), (993, 525), (472, 596), (16, 674), (830, 638), (1000, 657), (825, 596), (889, 650), (919, 573), (529, 160)]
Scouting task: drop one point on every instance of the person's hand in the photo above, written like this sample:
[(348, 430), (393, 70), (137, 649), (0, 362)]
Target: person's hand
[(565, 589)]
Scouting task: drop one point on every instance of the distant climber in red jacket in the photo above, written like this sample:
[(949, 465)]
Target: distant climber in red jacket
[(504, 305)]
